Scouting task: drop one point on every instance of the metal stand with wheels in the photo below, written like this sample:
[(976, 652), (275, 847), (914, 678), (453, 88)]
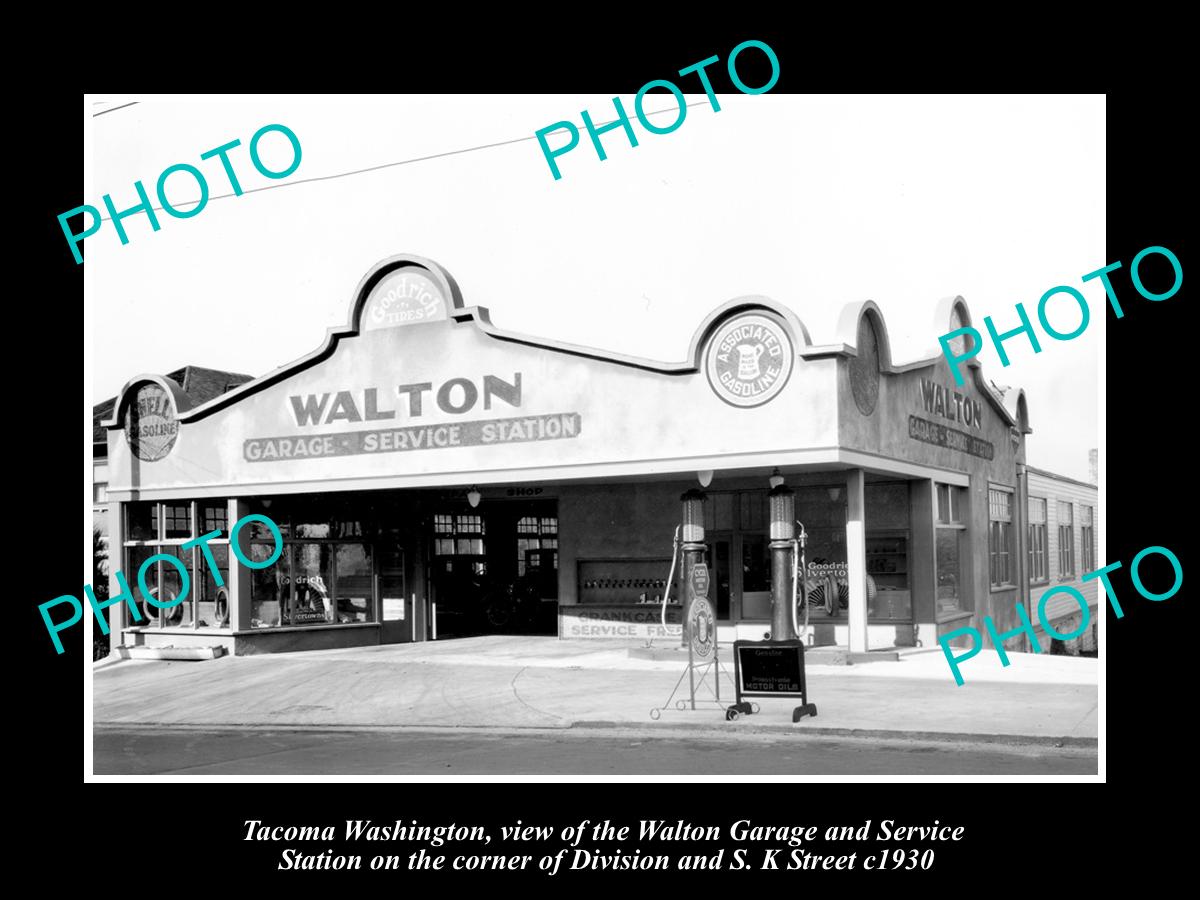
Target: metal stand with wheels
[(696, 675)]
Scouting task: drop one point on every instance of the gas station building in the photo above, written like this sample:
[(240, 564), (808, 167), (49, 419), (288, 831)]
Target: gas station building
[(433, 476)]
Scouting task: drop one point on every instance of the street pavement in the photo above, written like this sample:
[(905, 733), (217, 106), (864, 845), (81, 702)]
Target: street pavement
[(576, 751), (531, 687)]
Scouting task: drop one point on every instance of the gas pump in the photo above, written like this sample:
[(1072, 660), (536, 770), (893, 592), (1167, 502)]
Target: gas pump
[(782, 501), (775, 667), (693, 553)]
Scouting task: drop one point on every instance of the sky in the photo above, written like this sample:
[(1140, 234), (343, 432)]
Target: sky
[(814, 201)]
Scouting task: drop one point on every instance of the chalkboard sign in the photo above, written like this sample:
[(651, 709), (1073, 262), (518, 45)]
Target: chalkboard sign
[(769, 669)]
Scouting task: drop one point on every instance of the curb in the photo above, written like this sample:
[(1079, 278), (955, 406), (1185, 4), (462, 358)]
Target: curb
[(951, 737)]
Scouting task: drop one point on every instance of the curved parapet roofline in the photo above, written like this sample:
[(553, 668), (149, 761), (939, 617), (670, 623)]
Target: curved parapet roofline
[(382, 269), (847, 330), (845, 345)]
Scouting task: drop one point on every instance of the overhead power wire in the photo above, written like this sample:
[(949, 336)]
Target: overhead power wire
[(115, 108), (388, 165)]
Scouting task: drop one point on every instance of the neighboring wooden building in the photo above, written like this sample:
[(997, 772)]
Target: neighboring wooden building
[(1062, 547)]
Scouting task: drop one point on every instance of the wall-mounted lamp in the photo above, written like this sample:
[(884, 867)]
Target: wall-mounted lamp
[(267, 503), (834, 492), (705, 477), (776, 479), (473, 497)]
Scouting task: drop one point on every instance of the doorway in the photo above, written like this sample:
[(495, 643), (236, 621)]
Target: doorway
[(493, 569), (739, 555)]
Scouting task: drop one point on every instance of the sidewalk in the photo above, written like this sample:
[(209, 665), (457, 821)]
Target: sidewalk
[(534, 682)]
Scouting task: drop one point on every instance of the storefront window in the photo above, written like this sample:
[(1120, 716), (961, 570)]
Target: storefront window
[(949, 572), (318, 579), (950, 589), (888, 594), (822, 509), (199, 608)]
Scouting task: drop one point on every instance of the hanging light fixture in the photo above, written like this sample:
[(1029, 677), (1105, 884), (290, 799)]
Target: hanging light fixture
[(473, 496), (705, 477), (834, 493), (776, 479)]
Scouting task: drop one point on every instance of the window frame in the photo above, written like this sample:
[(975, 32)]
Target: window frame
[(1066, 561), (1007, 531), (1087, 538), (1031, 531), (197, 564)]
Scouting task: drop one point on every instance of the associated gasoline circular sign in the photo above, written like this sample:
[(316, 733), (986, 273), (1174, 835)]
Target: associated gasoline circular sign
[(749, 359), (150, 423), (702, 628)]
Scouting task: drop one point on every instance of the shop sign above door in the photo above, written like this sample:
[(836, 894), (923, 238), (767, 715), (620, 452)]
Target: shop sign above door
[(405, 297), (749, 360)]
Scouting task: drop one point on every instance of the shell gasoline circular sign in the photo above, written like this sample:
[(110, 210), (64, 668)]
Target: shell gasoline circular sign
[(749, 359), (150, 423)]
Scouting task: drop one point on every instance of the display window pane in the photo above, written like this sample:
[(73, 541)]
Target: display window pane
[(134, 557), (257, 531), (949, 573), (354, 583), (177, 520), (470, 524), (172, 586), (346, 527), (270, 588), (163, 583), (212, 602), (311, 529), (141, 521), (312, 585), (214, 517), (887, 506)]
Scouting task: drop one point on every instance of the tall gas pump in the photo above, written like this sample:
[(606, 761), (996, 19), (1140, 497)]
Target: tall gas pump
[(782, 502), (775, 667)]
